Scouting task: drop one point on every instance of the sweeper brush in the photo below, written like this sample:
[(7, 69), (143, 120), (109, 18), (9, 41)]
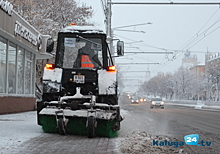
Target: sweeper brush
[(92, 119), (77, 126), (80, 91)]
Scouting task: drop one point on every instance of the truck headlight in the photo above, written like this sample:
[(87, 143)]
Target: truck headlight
[(162, 102), (153, 103)]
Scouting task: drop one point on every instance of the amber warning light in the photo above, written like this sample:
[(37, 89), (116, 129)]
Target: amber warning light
[(50, 66), (111, 68), (72, 24)]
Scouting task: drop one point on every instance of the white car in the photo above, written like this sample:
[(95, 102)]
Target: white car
[(134, 100), (157, 102)]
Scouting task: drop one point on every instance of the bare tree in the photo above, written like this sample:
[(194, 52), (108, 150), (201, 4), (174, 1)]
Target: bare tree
[(182, 84)]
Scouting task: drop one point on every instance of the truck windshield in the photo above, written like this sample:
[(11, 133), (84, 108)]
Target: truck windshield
[(80, 52)]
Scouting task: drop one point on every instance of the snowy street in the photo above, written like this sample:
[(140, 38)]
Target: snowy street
[(21, 134)]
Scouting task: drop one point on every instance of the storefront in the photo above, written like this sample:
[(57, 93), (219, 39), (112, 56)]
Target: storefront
[(20, 46)]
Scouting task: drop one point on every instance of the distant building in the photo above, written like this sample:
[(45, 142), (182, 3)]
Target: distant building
[(189, 60), (198, 69), (212, 60)]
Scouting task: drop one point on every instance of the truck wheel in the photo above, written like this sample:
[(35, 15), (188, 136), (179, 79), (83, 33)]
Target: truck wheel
[(91, 126), (61, 126)]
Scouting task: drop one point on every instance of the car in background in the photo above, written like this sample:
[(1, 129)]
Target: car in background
[(142, 99), (134, 100), (157, 102), (129, 97)]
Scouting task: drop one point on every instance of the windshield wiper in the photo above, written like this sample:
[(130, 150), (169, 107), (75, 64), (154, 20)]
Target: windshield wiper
[(88, 40)]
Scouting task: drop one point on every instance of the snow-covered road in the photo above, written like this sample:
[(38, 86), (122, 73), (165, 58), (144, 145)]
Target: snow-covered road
[(21, 134)]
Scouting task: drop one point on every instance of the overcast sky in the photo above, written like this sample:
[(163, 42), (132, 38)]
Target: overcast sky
[(174, 28)]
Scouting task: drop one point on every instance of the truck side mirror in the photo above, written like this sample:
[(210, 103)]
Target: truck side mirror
[(120, 48), (50, 45)]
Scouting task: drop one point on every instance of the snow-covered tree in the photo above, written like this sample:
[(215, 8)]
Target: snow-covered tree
[(182, 84), (120, 77), (213, 77), (49, 16)]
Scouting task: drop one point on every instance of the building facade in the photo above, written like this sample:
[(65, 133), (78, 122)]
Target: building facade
[(20, 46), (199, 70)]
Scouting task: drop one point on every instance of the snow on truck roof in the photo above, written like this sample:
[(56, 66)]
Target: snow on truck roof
[(82, 29)]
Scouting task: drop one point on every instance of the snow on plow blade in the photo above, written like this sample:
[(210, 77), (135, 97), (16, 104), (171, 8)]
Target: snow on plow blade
[(105, 121)]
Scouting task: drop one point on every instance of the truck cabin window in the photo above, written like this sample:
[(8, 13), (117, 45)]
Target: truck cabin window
[(83, 53)]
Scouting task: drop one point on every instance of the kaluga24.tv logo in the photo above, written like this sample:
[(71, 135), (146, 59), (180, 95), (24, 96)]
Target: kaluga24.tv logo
[(192, 139)]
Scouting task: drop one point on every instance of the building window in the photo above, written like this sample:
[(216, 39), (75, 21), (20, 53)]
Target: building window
[(17, 69), (33, 73), (20, 68), (11, 68), (3, 49), (28, 74)]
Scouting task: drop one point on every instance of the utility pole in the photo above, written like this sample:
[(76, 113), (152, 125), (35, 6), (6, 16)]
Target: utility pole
[(109, 25), (108, 17)]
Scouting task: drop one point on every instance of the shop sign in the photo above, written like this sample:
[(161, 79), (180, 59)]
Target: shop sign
[(28, 35), (6, 6)]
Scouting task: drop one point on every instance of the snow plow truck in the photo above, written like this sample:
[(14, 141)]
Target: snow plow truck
[(80, 89)]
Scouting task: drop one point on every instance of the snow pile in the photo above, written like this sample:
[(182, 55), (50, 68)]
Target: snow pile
[(139, 142), (86, 29)]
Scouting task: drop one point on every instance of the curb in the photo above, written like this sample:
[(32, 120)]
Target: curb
[(199, 106), (211, 107)]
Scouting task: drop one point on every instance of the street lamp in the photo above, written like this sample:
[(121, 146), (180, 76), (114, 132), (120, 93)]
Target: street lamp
[(135, 63), (148, 23), (134, 42), (152, 52), (131, 71), (118, 28), (129, 30)]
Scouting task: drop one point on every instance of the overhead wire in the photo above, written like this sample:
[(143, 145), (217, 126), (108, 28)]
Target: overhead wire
[(192, 40), (147, 46), (205, 36), (186, 45), (199, 30), (201, 35), (141, 43)]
